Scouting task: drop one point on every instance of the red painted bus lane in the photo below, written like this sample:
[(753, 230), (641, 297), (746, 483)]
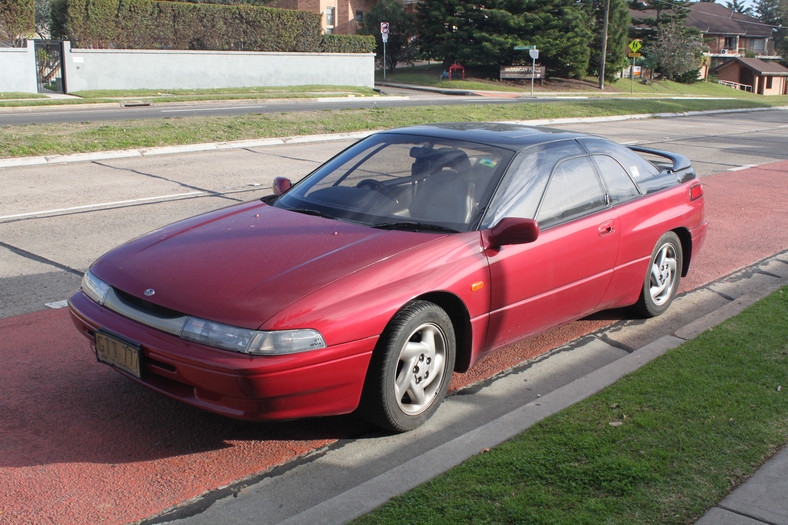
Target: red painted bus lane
[(80, 443)]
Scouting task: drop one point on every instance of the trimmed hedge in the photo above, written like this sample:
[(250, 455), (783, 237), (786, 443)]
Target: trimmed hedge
[(17, 19), (347, 44), (146, 24)]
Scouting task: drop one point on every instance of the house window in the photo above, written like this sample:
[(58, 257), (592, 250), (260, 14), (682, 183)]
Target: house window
[(769, 82), (330, 16), (359, 15), (730, 43)]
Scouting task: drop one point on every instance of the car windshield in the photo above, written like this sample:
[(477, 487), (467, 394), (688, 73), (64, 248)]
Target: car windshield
[(407, 182)]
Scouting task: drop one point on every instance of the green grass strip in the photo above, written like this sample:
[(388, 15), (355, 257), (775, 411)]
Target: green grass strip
[(186, 95), (52, 139), (662, 445)]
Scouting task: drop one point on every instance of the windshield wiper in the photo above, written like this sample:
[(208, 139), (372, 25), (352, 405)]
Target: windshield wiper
[(413, 226), (309, 211)]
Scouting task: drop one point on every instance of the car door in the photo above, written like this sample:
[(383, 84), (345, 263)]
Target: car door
[(563, 274)]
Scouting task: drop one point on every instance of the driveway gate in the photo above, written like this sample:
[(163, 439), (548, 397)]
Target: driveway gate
[(50, 73)]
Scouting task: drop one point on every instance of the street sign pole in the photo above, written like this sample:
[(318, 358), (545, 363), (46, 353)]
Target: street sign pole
[(634, 46), (533, 74), (534, 55), (384, 34)]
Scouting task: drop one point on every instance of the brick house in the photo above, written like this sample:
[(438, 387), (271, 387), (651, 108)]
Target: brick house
[(341, 17), (727, 33), (753, 74), (739, 48)]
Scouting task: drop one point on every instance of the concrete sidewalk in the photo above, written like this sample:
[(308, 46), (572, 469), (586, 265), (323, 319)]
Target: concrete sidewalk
[(356, 476), (761, 499)]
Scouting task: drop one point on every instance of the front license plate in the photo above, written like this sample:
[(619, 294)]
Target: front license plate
[(118, 353)]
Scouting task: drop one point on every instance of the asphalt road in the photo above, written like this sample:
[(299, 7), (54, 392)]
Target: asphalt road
[(81, 443), (112, 112), (56, 219)]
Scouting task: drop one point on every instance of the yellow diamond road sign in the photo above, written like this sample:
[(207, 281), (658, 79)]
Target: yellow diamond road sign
[(635, 45)]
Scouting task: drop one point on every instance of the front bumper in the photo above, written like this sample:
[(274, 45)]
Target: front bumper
[(317, 383)]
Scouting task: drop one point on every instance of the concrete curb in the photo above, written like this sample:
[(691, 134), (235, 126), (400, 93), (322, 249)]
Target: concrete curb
[(369, 495), (301, 139), (251, 500), (132, 102)]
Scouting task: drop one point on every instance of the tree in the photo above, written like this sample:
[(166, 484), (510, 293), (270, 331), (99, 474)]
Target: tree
[(43, 17), (768, 12), (677, 52), (738, 6), (17, 20), (617, 36), (487, 34), (775, 13), (402, 32), (443, 29)]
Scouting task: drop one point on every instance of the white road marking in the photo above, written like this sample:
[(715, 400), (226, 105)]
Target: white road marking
[(218, 108), (103, 205), (57, 305), (745, 167)]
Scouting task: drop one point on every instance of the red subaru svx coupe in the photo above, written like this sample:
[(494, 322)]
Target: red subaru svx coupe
[(411, 254)]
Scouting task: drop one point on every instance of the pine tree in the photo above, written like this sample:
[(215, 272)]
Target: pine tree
[(617, 36), (487, 34)]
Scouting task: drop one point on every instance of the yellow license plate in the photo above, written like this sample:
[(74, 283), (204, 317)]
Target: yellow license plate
[(117, 353)]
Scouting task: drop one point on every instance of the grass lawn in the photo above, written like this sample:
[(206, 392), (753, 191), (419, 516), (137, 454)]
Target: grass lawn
[(662, 445), (52, 139), (14, 95), (429, 76), (188, 95)]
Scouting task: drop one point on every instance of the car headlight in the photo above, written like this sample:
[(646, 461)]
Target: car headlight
[(94, 287), (209, 333), (253, 342)]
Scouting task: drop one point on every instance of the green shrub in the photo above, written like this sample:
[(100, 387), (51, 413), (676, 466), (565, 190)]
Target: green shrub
[(347, 44), (17, 19), (146, 24)]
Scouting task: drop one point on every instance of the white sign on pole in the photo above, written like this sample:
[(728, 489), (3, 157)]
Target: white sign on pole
[(384, 28), (534, 53)]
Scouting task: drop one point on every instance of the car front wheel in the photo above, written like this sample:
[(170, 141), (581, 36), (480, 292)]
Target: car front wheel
[(663, 276), (411, 368)]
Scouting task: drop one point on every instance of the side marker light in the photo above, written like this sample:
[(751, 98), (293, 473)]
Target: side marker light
[(696, 192)]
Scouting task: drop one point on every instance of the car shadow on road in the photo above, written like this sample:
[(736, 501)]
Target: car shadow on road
[(59, 405)]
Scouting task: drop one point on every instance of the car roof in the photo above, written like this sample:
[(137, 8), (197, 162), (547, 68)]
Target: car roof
[(510, 136)]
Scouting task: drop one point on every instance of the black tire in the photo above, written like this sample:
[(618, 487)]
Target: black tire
[(663, 276), (411, 368)]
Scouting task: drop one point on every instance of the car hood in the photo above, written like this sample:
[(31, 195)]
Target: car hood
[(241, 265)]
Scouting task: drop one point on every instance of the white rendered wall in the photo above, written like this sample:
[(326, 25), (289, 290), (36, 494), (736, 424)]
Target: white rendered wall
[(89, 69)]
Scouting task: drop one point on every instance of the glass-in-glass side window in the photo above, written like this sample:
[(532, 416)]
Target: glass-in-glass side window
[(574, 190), (523, 185), (620, 187)]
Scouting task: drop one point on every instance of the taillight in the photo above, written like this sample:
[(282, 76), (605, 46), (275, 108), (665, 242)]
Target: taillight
[(696, 192)]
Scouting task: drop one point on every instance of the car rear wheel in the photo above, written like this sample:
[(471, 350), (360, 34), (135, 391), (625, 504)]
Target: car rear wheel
[(411, 368), (663, 276)]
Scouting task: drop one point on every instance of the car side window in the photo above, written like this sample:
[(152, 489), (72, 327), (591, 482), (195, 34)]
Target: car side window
[(620, 187), (574, 189), (523, 185), (637, 166)]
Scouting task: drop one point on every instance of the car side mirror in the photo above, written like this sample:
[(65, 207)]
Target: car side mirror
[(512, 230), (281, 185)]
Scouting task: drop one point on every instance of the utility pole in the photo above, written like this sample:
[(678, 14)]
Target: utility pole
[(604, 48)]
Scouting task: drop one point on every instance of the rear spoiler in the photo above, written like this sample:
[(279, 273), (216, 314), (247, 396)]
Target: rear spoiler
[(682, 167)]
